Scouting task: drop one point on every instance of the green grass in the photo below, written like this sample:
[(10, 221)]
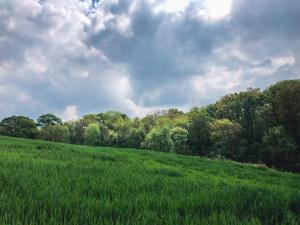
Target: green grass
[(51, 183)]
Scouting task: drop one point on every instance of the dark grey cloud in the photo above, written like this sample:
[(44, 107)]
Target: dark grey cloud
[(268, 18), (267, 27), (161, 48)]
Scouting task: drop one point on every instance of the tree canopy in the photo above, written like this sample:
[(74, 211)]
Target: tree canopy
[(48, 120), (249, 126), (18, 126)]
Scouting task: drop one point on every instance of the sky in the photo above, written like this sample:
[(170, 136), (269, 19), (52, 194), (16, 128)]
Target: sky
[(75, 57)]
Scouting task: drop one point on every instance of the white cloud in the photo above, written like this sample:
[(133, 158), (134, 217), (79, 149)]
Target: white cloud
[(217, 81), (118, 89), (70, 113), (35, 61), (24, 98), (217, 9), (171, 6), (274, 65)]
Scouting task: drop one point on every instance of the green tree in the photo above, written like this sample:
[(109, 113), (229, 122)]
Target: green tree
[(77, 128), (241, 108), (76, 132), (111, 118), (122, 128), (148, 122), (60, 133), (173, 113), (90, 118), (57, 133), (158, 139), (91, 134), (278, 147), (225, 137), (136, 137), (199, 122), (104, 135), (284, 101), (48, 120), (180, 137), (112, 138), (19, 126)]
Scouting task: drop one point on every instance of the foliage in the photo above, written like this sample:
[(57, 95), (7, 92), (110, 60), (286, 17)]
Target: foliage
[(159, 139), (48, 120), (76, 129), (136, 137), (284, 97), (173, 113), (18, 126), (103, 136), (92, 134), (279, 147), (112, 138), (148, 122), (110, 118), (199, 136), (179, 137), (241, 108), (58, 133), (225, 137)]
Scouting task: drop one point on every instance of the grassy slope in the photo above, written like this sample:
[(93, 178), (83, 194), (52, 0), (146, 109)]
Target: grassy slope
[(51, 183)]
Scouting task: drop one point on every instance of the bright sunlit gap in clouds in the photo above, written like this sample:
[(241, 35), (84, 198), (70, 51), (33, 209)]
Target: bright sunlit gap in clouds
[(217, 9), (212, 9), (173, 6)]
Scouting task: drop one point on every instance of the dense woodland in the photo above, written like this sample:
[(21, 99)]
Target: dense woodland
[(251, 126)]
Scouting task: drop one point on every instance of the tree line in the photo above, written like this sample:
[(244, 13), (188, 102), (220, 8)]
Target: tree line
[(250, 126)]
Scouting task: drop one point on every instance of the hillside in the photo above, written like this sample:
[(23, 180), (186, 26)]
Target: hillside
[(50, 183)]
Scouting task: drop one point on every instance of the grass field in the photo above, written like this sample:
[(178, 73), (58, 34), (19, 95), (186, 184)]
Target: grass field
[(51, 183)]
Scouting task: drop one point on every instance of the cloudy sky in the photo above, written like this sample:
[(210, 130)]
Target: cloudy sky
[(73, 57)]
